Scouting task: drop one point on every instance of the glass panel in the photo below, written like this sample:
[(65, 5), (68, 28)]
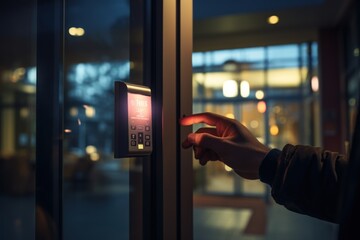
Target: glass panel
[(253, 117), (268, 90), (213, 69), (218, 178), (96, 186), (283, 53), (285, 77), (284, 123), (285, 66), (17, 119)]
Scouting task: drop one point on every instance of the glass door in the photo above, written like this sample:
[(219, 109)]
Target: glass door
[(17, 119), (59, 179), (100, 48)]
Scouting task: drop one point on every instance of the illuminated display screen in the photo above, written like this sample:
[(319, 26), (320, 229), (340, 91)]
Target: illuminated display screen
[(139, 110), (139, 107), (132, 120)]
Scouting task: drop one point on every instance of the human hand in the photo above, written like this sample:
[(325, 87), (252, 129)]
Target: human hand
[(229, 142)]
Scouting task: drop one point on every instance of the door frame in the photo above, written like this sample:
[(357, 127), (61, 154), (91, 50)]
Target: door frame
[(169, 67), (167, 176)]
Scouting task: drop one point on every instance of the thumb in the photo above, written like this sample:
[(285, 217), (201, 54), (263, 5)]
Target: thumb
[(205, 140)]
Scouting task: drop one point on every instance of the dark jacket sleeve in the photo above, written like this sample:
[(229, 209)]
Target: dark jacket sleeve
[(305, 179)]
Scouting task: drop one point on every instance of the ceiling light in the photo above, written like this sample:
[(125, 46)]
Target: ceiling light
[(76, 31), (230, 88), (273, 19), (244, 89), (259, 94)]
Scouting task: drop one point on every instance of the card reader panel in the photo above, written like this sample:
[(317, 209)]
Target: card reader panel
[(133, 120)]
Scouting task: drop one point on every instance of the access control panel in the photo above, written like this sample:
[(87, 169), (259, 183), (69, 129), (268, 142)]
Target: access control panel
[(133, 120)]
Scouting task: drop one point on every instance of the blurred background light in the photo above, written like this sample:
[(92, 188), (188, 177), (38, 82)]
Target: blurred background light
[(261, 107), (244, 89), (230, 88), (315, 84), (259, 94), (273, 19)]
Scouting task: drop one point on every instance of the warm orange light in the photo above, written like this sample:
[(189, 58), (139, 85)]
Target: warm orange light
[(230, 88), (89, 111), (67, 131), (244, 89), (259, 94), (274, 130), (76, 31), (17, 74), (315, 84), (230, 115), (94, 156), (273, 19), (90, 149), (261, 107)]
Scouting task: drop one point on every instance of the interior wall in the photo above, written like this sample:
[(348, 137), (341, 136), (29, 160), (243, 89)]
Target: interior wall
[(253, 39)]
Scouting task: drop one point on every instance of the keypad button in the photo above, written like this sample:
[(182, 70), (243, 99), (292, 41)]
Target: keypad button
[(133, 143), (147, 143), (147, 137)]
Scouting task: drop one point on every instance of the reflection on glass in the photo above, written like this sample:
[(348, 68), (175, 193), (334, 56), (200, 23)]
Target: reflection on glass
[(17, 120), (213, 178), (284, 124), (269, 92), (96, 186), (276, 98)]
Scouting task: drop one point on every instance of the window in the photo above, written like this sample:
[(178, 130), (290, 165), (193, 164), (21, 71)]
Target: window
[(273, 91)]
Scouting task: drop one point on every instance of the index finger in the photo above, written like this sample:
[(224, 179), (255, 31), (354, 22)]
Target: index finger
[(211, 119)]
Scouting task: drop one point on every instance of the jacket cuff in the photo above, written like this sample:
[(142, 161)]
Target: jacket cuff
[(268, 166)]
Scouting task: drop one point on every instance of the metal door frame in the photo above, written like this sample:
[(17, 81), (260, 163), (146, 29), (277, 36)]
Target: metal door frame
[(167, 177)]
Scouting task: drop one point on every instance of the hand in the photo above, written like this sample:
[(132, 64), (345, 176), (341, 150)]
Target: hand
[(229, 142)]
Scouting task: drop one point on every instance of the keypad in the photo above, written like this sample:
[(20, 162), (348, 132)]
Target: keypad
[(140, 136)]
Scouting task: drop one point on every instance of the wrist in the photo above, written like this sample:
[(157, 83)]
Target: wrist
[(268, 166)]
